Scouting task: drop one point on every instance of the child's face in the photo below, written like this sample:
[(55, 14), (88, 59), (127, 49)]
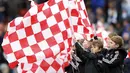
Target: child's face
[(86, 44), (95, 49), (111, 44)]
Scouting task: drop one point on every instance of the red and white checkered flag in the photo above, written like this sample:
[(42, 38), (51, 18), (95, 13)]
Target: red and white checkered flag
[(42, 33)]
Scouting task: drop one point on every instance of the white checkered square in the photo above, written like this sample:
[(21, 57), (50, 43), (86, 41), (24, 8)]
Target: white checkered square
[(40, 54), (36, 28), (43, 45), (41, 16), (66, 45), (54, 9), (46, 6), (61, 25), (55, 49), (16, 46), (82, 5), (65, 2), (83, 15), (6, 41), (51, 70), (28, 51), (64, 14), (51, 21), (47, 33), (58, 38), (69, 32), (33, 10), (50, 60), (31, 40), (11, 57), (80, 29), (40, 70), (21, 33), (27, 21), (57, 1), (23, 60)]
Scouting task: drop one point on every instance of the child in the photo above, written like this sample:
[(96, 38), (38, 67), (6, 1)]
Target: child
[(87, 45), (76, 65), (115, 56), (109, 38), (105, 50), (90, 59)]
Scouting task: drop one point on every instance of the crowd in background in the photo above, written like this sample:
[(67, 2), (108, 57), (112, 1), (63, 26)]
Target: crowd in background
[(113, 14)]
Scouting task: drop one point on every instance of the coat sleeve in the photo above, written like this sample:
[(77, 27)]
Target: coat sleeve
[(83, 55), (116, 60)]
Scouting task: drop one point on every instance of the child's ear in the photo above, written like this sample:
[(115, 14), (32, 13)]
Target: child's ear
[(117, 45)]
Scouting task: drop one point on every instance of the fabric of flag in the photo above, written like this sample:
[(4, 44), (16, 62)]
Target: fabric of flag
[(80, 20), (49, 65), (43, 32), (40, 41)]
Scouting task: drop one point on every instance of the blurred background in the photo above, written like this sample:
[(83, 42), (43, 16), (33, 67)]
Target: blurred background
[(113, 15)]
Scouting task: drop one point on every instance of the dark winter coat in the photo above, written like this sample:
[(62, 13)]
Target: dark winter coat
[(74, 64), (93, 62), (114, 59)]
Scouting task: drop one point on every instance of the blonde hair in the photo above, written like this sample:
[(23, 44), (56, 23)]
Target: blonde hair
[(98, 43), (112, 34), (118, 40)]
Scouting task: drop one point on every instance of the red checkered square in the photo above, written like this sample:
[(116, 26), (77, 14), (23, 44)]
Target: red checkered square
[(66, 22), (44, 65), (34, 67), (50, 3), (86, 22), (44, 25), (35, 48), (65, 35), (61, 5), (29, 31), (62, 46), (51, 41), (20, 26), (48, 53), (55, 29), (86, 30), (34, 19), (46, 12), (24, 43), (79, 6), (19, 54), (58, 17), (56, 65), (12, 23), (41, 17), (7, 49), (40, 7), (31, 59), (39, 37), (13, 37)]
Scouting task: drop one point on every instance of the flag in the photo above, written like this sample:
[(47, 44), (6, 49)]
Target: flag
[(43, 32), (40, 41)]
